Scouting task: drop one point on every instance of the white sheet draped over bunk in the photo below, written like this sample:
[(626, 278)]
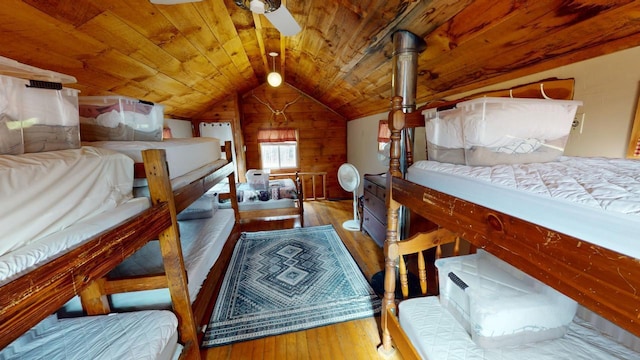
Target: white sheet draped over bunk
[(29, 257), (593, 199), (44, 193)]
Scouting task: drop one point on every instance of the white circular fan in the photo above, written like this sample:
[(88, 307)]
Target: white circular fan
[(349, 179)]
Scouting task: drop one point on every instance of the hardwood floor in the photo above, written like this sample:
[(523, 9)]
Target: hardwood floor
[(352, 340)]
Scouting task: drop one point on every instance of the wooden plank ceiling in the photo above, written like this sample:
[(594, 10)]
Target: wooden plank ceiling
[(193, 55)]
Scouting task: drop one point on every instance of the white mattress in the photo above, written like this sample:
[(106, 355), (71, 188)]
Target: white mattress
[(28, 257), (136, 336), (202, 242), (436, 335), (140, 185), (43, 193), (582, 197), (183, 154)]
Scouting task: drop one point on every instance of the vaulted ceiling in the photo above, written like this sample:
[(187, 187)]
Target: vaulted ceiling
[(191, 56)]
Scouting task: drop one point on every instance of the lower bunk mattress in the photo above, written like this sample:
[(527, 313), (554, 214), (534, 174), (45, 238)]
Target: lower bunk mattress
[(202, 242), (143, 335), (436, 335), (581, 197)]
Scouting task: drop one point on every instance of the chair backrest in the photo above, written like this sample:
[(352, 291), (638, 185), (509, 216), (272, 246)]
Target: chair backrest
[(419, 245)]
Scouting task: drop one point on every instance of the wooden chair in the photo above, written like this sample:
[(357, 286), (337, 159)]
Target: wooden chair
[(418, 244)]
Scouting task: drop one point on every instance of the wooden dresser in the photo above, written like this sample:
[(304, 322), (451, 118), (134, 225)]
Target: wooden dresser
[(374, 217)]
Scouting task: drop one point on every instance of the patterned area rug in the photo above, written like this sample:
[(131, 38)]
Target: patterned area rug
[(288, 280)]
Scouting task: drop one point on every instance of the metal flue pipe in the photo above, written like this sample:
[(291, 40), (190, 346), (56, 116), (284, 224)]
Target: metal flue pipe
[(406, 48)]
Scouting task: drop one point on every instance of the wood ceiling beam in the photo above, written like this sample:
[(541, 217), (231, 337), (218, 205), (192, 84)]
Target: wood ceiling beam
[(258, 24), (282, 57)]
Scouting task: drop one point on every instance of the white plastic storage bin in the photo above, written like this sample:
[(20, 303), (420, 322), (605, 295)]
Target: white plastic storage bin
[(118, 118), (258, 179), (515, 130), (500, 305), (37, 116), (445, 141)]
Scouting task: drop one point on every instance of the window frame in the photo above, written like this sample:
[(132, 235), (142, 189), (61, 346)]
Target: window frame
[(279, 137)]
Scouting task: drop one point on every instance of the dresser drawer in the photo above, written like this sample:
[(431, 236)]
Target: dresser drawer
[(381, 193), (370, 187), (376, 206), (374, 228)]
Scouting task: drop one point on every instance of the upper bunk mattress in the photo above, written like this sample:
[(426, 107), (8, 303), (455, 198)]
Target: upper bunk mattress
[(43, 193), (593, 199), (139, 335), (18, 262), (183, 155)]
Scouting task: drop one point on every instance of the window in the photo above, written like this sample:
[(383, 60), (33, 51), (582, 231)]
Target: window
[(384, 135), (278, 148)]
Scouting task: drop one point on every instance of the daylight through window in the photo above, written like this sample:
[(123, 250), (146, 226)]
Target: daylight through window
[(278, 148)]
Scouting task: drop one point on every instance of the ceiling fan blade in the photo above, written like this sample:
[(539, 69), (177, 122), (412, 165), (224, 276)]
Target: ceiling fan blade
[(282, 19)]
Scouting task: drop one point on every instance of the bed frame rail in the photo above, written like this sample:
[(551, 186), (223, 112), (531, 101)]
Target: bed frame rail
[(29, 299), (604, 281)]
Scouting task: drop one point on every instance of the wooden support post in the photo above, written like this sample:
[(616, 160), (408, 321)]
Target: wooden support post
[(94, 299), (161, 191), (396, 123)]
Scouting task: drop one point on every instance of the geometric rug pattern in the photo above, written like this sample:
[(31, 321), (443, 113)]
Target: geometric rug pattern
[(288, 280)]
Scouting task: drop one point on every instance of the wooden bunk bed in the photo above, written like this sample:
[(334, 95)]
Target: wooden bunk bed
[(292, 207), (602, 280), (31, 295), (191, 314)]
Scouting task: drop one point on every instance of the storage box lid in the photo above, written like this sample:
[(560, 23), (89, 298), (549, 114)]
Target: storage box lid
[(506, 100), (99, 100), (13, 68)]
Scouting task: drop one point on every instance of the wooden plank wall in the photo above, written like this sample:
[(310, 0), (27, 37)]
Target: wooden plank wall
[(322, 132)]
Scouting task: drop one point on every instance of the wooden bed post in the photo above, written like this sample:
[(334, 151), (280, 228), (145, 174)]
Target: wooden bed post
[(396, 123), (300, 195), (232, 183), (160, 190)]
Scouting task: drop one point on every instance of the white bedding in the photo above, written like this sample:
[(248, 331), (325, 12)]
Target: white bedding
[(593, 199), (44, 193), (202, 242), (141, 189), (248, 198), (28, 257), (183, 154), (436, 335), (139, 335)]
